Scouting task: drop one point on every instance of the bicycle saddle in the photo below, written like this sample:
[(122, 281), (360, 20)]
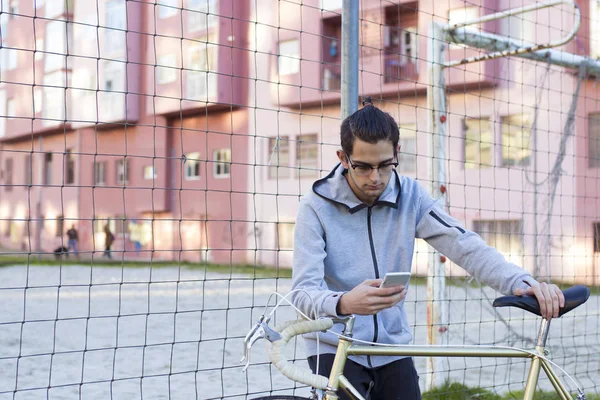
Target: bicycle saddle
[(574, 297)]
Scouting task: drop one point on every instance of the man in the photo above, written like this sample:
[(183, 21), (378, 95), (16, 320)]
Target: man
[(359, 223), (73, 237), (109, 238)]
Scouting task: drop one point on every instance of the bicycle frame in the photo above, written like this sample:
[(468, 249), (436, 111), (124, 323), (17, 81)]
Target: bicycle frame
[(345, 348)]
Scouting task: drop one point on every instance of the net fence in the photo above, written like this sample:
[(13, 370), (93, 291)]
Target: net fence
[(153, 155)]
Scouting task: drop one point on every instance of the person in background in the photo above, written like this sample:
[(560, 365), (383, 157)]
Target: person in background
[(73, 240), (108, 241)]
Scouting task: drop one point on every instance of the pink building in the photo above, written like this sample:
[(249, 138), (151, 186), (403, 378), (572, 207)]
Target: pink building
[(193, 127)]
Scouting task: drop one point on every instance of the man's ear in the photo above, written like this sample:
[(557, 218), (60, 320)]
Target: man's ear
[(342, 157)]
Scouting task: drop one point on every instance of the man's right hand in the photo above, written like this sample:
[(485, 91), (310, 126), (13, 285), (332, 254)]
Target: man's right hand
[(368, 298)]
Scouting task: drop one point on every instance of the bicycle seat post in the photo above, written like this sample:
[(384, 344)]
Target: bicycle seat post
[(543, 333)]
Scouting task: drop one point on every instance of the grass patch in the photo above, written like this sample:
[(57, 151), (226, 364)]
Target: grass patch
[(249, 270), (458, 391)]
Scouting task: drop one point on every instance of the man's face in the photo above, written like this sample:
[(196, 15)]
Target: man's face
[(370, 186)]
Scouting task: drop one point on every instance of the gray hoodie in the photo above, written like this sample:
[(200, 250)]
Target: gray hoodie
[(340, 242)]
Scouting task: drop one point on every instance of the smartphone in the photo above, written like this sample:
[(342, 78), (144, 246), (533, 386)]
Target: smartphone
[(395, 279)]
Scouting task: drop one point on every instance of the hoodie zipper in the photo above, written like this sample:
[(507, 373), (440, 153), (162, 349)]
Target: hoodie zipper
[(375, 330)]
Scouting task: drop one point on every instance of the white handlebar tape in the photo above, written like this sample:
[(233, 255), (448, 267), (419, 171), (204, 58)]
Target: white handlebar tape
[(290, 370)]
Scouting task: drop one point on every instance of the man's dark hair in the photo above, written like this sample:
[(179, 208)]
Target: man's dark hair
[(370, 125)]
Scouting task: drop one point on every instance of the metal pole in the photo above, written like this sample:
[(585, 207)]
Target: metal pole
[(521, 49), (436, 277), (489, 41), (38, 206), (349, 57)]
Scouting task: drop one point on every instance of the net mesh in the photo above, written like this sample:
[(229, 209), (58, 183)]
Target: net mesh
[(153, 154)]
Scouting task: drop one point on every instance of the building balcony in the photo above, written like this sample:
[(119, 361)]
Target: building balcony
[(399, 68)]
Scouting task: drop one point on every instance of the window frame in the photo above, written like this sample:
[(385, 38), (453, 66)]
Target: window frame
[(166, 8), (194, 160), (276, 149), (304, 170), (287, 234), (593, 143), (478, 163), (8, 180), (226, 164), (166, 72), (289, 63), (402, 155), (69, 167), (524, 161), (47, 168), (153, 170), (97, 169), (122, 171), (205, 13)]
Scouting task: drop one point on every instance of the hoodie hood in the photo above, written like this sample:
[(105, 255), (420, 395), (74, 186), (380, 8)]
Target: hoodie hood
[(335, 188)]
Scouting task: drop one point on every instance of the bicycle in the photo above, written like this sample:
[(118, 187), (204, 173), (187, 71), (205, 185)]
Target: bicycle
[(326, 388)]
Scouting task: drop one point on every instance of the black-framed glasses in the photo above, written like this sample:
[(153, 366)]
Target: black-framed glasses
[(365, 169)]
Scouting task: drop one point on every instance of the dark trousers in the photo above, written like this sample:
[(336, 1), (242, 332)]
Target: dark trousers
[(396, 380)]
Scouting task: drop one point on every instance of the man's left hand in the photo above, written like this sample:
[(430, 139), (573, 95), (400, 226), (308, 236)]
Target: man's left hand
[(549, 296)]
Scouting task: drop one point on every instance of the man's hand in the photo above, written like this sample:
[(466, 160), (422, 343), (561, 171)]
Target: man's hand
[(549, 296), (367, 298)]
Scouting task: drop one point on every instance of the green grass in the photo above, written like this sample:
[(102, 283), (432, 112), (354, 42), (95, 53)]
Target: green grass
[(237, 269), (458, 391)]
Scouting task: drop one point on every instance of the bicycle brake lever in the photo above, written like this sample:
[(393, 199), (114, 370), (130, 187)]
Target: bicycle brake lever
[(261, 330)]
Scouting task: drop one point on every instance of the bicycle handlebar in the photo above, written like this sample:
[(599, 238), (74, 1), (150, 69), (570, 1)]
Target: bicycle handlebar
[(288, 369)]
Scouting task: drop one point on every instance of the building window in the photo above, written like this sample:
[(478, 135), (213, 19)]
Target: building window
[(58, 33), (201, 14), (10, 108), (279, 160), (37, 100), (55, 8), (594, 140), (596, 226), (54, 99), (307, 153), (331, 5), (407, 159), (201, 58), (166, 69), (167, 8), (515, 140), (39, 49), (594, 28), (69, 167), (285, 235), (14, 8), (504, 235), (99, 173), (331, 53), (116, 25), (122, 172), (149, 172), (222, 163), (9, 172), (47, 168), (289, 57), (60, 225), (28, 169), (192, 166), (9, 59), (478, 142), (4, 111)]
